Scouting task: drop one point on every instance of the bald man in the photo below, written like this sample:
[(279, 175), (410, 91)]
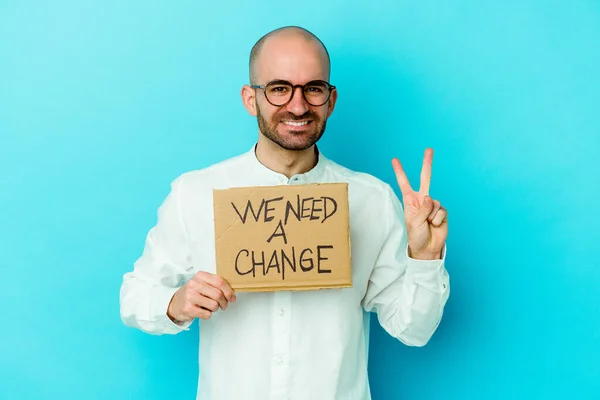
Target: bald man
[(292, 344)]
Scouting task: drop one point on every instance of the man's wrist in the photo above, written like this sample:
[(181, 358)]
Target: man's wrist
[(424, 256), (169, 314)]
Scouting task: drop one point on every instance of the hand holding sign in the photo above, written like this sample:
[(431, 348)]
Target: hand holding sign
[(200, 297), (426, 219)]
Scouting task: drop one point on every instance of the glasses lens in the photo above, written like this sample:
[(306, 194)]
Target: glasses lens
[(278, 93), (316, 93)]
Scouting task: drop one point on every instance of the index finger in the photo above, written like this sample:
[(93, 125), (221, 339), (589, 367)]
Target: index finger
[(218, 282), (401, 177), (426, 171)]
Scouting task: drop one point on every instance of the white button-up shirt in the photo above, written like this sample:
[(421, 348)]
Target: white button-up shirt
[(300, 345)]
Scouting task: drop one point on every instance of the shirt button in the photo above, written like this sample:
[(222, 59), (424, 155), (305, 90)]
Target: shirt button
[(279, 361), (281, 312)]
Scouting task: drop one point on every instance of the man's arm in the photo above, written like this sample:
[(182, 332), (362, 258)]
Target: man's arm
[(408, 295), (163, 267)]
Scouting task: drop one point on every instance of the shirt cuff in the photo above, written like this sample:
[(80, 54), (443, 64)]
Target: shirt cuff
[(426, 265), (160, 304)]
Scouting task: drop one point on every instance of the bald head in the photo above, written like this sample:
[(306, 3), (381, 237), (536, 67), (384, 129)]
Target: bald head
[(285, 38)]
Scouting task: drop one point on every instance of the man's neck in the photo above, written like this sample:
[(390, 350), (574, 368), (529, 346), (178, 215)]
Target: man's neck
[(286, 162)]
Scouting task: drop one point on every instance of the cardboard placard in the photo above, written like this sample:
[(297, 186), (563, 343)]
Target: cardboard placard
[(289, 237)]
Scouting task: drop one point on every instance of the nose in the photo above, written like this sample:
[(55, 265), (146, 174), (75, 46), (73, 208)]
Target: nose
[(297, 105)]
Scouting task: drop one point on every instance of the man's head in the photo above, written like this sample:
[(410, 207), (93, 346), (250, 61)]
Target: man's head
[(294, 55)]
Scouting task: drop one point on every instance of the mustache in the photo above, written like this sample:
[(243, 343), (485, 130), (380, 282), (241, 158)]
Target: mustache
[(288, 116)]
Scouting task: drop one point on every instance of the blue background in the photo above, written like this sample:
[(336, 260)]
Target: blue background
[(103, 103)]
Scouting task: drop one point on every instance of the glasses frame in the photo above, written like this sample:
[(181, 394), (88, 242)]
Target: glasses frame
[(330, 88)]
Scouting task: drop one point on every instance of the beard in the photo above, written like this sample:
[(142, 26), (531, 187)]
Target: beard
[(298, 140)]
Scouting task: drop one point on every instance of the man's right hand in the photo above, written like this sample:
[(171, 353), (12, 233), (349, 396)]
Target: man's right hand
[(200, 297)]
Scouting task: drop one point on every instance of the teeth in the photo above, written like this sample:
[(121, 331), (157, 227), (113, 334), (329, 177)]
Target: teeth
[(295, 123)]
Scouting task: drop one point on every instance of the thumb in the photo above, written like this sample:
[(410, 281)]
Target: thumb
[(425, 210)]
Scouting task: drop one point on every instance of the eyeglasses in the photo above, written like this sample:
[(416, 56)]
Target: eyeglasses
[(279, 92)]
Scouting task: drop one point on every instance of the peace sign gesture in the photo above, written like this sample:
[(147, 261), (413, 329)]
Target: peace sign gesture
[(426, 219)]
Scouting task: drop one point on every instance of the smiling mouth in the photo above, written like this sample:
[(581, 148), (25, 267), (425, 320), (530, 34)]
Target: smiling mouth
[(296, 123)]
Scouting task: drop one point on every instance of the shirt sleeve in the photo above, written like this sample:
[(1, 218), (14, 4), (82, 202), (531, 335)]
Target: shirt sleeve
[(163, 267), (407, 295)]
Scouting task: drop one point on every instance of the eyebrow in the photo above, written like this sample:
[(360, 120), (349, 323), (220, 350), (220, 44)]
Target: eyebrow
[(280, 81), (283, 81)]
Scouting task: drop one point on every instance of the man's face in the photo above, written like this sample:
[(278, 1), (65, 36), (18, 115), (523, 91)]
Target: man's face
[(296, 125)]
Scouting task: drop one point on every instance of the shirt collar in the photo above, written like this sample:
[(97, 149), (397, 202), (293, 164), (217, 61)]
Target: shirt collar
[(313, 175)]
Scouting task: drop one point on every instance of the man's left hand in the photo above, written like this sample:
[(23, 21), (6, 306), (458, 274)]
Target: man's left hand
[(426, 219)]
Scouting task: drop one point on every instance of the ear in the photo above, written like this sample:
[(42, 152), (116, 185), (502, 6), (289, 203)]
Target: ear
[(249, 99), (332, 101)]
